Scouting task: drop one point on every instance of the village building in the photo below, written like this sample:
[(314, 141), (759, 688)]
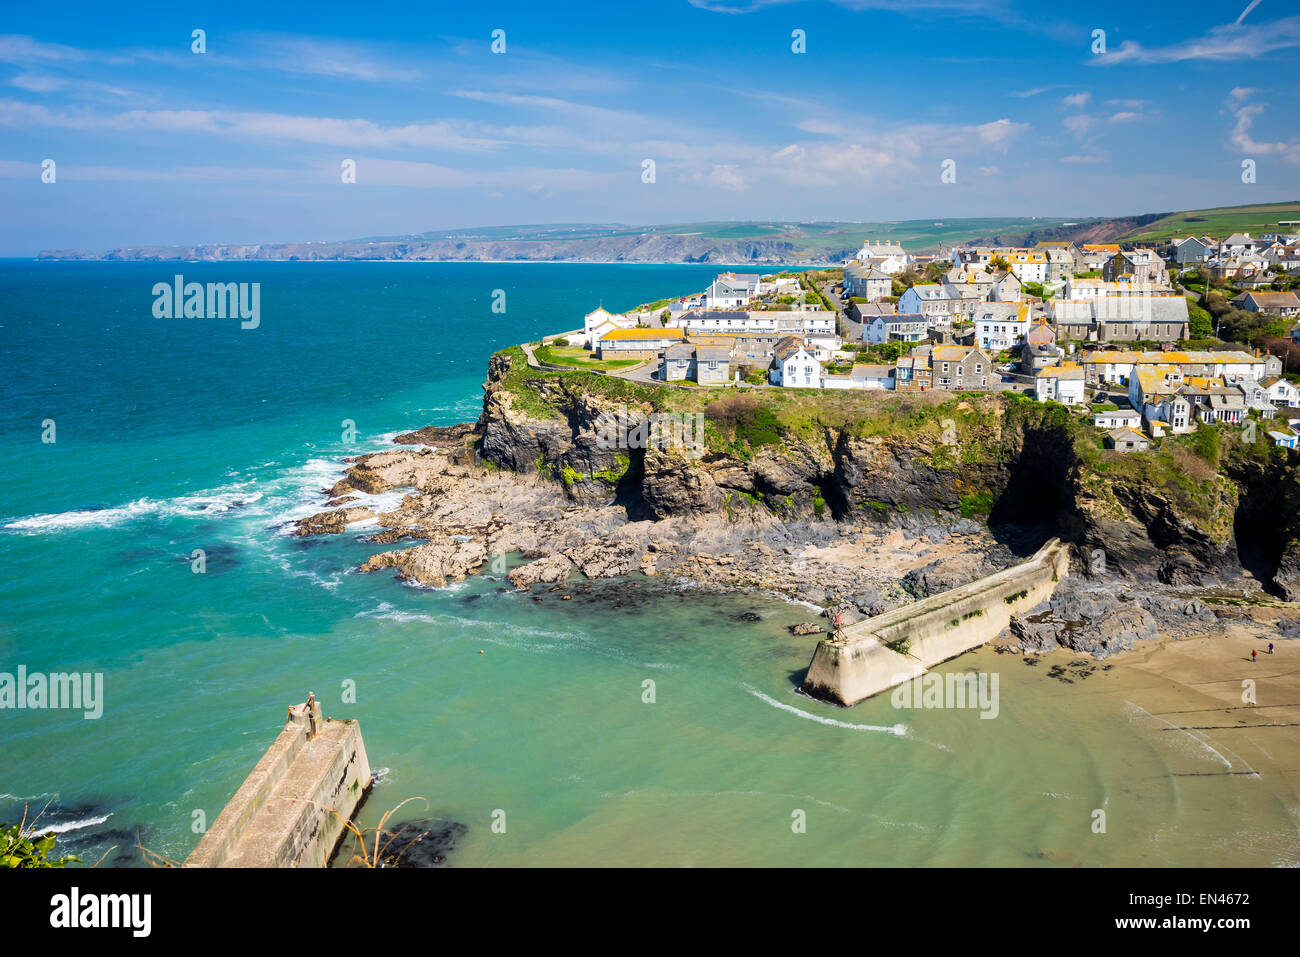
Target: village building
[(1283, 304), (959, 367), (1117, 419), (1061, 383), (1281, 392), (794, 366), (1003, 325), (912, 371), (867, 282), (1006, 287), (1035, 356), (598, 322), (732, 291), (890, 258), (1191, 250), (1126, 318), (942, 304), (862, 376), (1090, 257), (1127, 440), (904, 327), (864, 312), (705, 364), (1135, 266), (637, 343)]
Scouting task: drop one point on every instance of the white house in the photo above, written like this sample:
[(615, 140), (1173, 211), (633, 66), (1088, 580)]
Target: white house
[(598, 322), (1117, 419), (779, 286), (889, 258), (1029, 265), (1060, 383), (794, 366), (863, 376), (1280, 392), (1001, 325)]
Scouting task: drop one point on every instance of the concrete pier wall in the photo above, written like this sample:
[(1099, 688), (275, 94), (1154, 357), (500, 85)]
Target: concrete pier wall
[(930, 631), (279, 817)]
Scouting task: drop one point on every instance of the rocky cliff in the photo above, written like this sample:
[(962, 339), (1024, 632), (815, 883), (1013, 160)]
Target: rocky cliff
[(855, 502), (1030, 470)]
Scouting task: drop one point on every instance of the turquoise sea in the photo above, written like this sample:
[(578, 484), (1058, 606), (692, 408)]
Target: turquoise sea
[(179, 434)]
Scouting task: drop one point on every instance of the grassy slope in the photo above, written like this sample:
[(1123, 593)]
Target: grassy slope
[(1220, 221)]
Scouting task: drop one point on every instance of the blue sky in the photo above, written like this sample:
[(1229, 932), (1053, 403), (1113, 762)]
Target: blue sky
[(155, 144)]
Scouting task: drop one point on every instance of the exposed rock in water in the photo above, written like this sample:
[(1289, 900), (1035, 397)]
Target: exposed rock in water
[(807, 628), (434, 563), (424, 843), (332, 523), (552, 568), (438, 435)]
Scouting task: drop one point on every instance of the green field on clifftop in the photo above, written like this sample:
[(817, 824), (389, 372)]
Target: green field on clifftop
[(1221, 221)]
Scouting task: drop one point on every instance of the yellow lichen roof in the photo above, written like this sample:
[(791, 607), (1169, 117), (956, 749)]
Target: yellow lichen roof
[(1051, 372), (1113, 355), (645, 334), (952, 353)]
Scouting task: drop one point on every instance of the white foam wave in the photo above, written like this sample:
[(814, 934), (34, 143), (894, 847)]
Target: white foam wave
[(71, 825), (204, 503), (897, 729)]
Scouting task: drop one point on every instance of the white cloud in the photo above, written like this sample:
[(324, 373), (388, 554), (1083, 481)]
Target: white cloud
[(1240, 138), (308, 129), (1125, 117), (1077, 100), (1079, 124), (1100, 157), (1230, 42)]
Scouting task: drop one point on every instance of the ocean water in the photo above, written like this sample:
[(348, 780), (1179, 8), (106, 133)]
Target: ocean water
[(179, 434)]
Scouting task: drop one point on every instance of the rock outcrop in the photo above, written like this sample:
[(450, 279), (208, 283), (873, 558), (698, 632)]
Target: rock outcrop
[(433, 564), (833, 514)]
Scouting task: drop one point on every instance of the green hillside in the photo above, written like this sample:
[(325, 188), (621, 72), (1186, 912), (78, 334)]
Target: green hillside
[(1219, 221)]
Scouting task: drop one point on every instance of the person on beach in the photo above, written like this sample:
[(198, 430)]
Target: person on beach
[(1252, 656), (1270, 647)]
